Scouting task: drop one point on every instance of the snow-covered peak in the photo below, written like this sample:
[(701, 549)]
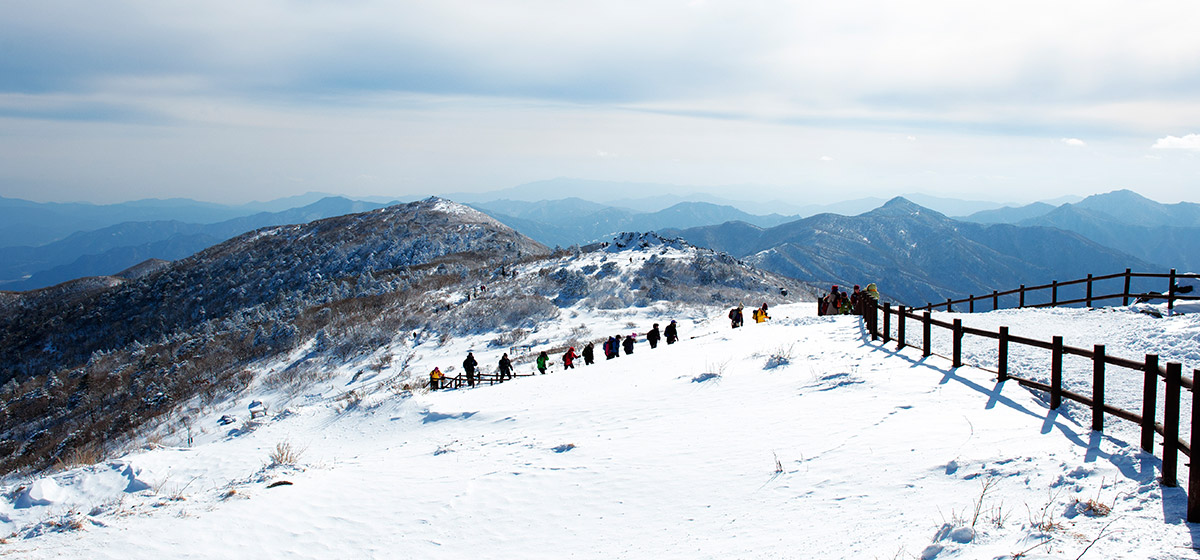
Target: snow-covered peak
[(634, 240)]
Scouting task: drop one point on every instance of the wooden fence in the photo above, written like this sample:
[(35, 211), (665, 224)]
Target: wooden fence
[(1088, 297), (1170, 376)]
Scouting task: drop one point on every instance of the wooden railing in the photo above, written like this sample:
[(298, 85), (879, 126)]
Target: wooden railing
[(1088, 297), (1171, 377)]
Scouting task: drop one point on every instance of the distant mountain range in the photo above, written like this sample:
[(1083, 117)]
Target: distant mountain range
[(1167, 235), (914, 254), (574, 221), (1159, 235), (653, 197), (113, 248)]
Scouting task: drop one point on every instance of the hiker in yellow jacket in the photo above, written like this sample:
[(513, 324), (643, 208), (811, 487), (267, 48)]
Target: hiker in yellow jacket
[(760, 314)]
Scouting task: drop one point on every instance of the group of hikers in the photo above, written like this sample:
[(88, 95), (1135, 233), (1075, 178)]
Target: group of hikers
[(836, 302), (840, 303), (611, 347)]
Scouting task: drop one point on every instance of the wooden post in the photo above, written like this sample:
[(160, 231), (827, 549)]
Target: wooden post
[(887, 321), (1098, 388), (1128, 275), (949, 308), (1089, 290), (900, 328), (971, 304), (1054, 293), (1170, 459), (1022, 304), (871, 307), (1056, 360), (1193, 511), (958, 335), (1149, 401), (926, 325), (1002, 358), (1171, 295), (995, 300)]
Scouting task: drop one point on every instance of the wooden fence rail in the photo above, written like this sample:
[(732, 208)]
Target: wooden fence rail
[(1170, 375), (1089, 298)]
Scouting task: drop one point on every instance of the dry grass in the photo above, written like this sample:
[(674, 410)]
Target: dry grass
[(81, 456), (285, 454)]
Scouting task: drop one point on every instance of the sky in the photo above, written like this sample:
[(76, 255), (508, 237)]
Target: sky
[(802, 101)]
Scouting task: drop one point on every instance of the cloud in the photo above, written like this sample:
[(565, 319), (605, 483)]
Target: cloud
[(1190, 142), (1074, 142)]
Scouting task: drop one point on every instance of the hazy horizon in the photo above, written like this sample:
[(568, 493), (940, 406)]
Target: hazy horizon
[(235, 102)]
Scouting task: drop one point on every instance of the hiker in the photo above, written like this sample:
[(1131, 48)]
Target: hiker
[(843, 304), (616, 347), (589, 354), (829, 302), (856, 300), (569, 358), (608, 348), (469, 365), (629, 344), (653, 336), (506, 371), (435, 379), (542, 361), (760, 314), (735, 316), (871, 308), (672, 333)]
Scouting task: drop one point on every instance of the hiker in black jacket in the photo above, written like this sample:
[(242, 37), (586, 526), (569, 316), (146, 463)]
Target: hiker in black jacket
[(653, 336), (629, 344), (589, 354), (505, 367), (469, 365), (672, 333)]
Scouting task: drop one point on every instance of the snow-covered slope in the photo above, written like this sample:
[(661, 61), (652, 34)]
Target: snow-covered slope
[(798, 438)]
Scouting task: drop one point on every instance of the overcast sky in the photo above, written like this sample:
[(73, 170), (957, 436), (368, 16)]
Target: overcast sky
[(232, 101)]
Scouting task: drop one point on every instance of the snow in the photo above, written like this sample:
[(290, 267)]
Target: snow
[(797, 438)]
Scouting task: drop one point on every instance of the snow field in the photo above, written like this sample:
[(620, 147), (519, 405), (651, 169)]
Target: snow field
[(798, 438), (1124, 332)]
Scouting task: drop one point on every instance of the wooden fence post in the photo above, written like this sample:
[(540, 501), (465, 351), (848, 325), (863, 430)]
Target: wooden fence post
[(1054, 293), (1089, 290), (971, 304), (887, 321), (1149, 401), (995, 300), (871, 308), (1002, 356), (1022, 304), (1193, 511), (958, 335), (926, 345), (900, 328), (1098, 388), (1056, 359), (1128, 275), (1171, 295), (949, 308), (1170, 459)]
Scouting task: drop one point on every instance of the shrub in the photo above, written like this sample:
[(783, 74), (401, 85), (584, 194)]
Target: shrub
[(285, 454)]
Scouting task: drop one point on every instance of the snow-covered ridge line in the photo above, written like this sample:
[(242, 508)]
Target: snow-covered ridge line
[(723, 446)]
